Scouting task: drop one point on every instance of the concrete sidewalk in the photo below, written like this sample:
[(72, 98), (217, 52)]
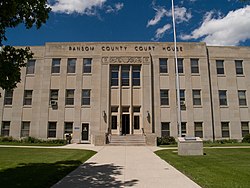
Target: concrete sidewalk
[(126, 166)]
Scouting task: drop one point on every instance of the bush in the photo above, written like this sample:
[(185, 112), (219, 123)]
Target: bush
[(246, 138), (6, 139), (166, 140), (225, 141), (31, 140)]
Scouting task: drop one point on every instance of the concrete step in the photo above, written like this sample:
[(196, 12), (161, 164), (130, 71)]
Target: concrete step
[(127, 140)]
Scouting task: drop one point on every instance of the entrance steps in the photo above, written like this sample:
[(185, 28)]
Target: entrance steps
[(127, 140)]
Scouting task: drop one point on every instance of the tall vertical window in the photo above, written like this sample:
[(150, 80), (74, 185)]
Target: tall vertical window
[(136, 122), (69, 99), (136, 75), (113, 122), (223, 97), (114, 75), (30, 69), (5, 130), (54, 95), (183, 129), (163, 65), (196, 97), (242, 98), (220, 66), (68, 127), (198, 130), (25, 129), (194, 65), (8, 97), (87, 65), (165, 129), (180, 65), (52, 130), (125, 75), (164, 97), (225, 130), (86, 97), (55, 68), (71, 66), (244, 128), (27, 100), (239, 67)]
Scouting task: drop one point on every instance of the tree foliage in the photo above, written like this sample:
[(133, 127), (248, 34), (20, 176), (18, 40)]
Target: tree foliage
[(12, 13)]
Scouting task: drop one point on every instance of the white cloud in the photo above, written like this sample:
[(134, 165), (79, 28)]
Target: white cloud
[(117, 7), (229, 30), (182, 15), (77, 6), (161, 31), (160, 13)]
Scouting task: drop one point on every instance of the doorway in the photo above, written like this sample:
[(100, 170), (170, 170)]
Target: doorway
[(125, 124), (85, 131)]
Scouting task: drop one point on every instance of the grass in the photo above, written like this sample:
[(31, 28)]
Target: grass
[(219, 168), (213, 145), (32, 167), (30, 144)]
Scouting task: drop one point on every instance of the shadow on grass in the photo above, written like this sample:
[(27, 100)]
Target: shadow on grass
[(94, 175)]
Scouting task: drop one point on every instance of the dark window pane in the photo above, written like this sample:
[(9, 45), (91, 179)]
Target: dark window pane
[(163, 65), (87, 65), (55, 66)]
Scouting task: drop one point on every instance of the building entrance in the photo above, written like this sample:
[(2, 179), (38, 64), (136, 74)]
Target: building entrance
[(85, 131), (125, 124)]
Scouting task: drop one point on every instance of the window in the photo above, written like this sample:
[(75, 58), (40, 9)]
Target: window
[(54, 95), (25, 129), (136, 109), (113, 122), (30, 69), (52, 130), (183, 129), (125, 109), (86, 97), (194, 66), (114, 75), (163, 65), (196, 97), (125, 75), (68, 127), (136, 75), (8, 97), (165, 129), (223, 97), (164, 97), (244, 128), (225, 129), (27, 97), (87, 65), (55, 68), (114, 108), (239, 67), (136, 122), (71, 66), (180, 65), (69, 99), (182, 99), (242, 98), (5, 130), (198, 130), (220, 66)]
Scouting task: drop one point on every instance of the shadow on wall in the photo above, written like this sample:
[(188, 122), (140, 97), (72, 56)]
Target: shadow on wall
[(94, 175)]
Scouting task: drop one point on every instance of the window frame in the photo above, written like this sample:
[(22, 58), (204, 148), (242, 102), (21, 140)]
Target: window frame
[(239, 69), (136, 81), (196, 97), (164, 97), (163, 65), (5, 130), (52, 130), (71, 65), (87, 65), (165, 132), (69, 100), (244, 130), (125, 75), (55, 65), (198, 129), (114, 71), (220, 69), (8, 97), (30, 67), (86, 98), (68, 130), (194, 63), (27, 97), (223, 98), (242, 98), (180, 65), (24, 130)]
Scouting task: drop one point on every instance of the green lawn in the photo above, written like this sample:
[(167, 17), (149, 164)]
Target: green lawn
[(32, 167), (30, 144), (219, 168)]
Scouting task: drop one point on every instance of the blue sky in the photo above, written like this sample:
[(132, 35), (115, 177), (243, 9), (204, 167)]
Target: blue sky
[(216, 22)]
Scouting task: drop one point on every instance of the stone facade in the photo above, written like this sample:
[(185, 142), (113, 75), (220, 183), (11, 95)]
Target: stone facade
[(96, 89)]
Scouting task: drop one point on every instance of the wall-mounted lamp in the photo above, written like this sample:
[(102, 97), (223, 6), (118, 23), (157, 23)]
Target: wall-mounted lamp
[(148, 115), (103, 114)]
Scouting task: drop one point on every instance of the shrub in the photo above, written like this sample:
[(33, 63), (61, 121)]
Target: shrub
[(246, 138), (225, 141), (31, 140), (6, 139), (166, 140)]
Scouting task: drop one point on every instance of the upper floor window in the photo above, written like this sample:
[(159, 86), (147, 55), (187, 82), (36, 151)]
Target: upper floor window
[(196, 97), (114, 75), (136, 75), (242, 98), (125, 75), (55, 68), (69, 99), (27, 100), (30, 69), (71, 66), (165, 129), (8, 97), (180, 65), (220, 66), (182, 99), (5, 130), (239, 67), (164, 97), (163, 65), (194, 65), (86, 97), (223, 97), (87, 65)]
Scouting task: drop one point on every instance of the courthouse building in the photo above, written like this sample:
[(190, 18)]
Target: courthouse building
[(93, 90)]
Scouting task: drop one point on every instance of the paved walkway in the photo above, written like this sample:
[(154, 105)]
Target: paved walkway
[(125, 166)]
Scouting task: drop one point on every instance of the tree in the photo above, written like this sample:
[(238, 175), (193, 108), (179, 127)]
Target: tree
[(12, 13)]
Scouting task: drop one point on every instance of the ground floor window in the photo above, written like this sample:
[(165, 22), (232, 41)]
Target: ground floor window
[(137, 122), (183, 129), (25, 129), (165, 129), (244, 128), (113, 122), (225, 129), (68, 127), (5, 130), (198, 130), (52, 130)]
